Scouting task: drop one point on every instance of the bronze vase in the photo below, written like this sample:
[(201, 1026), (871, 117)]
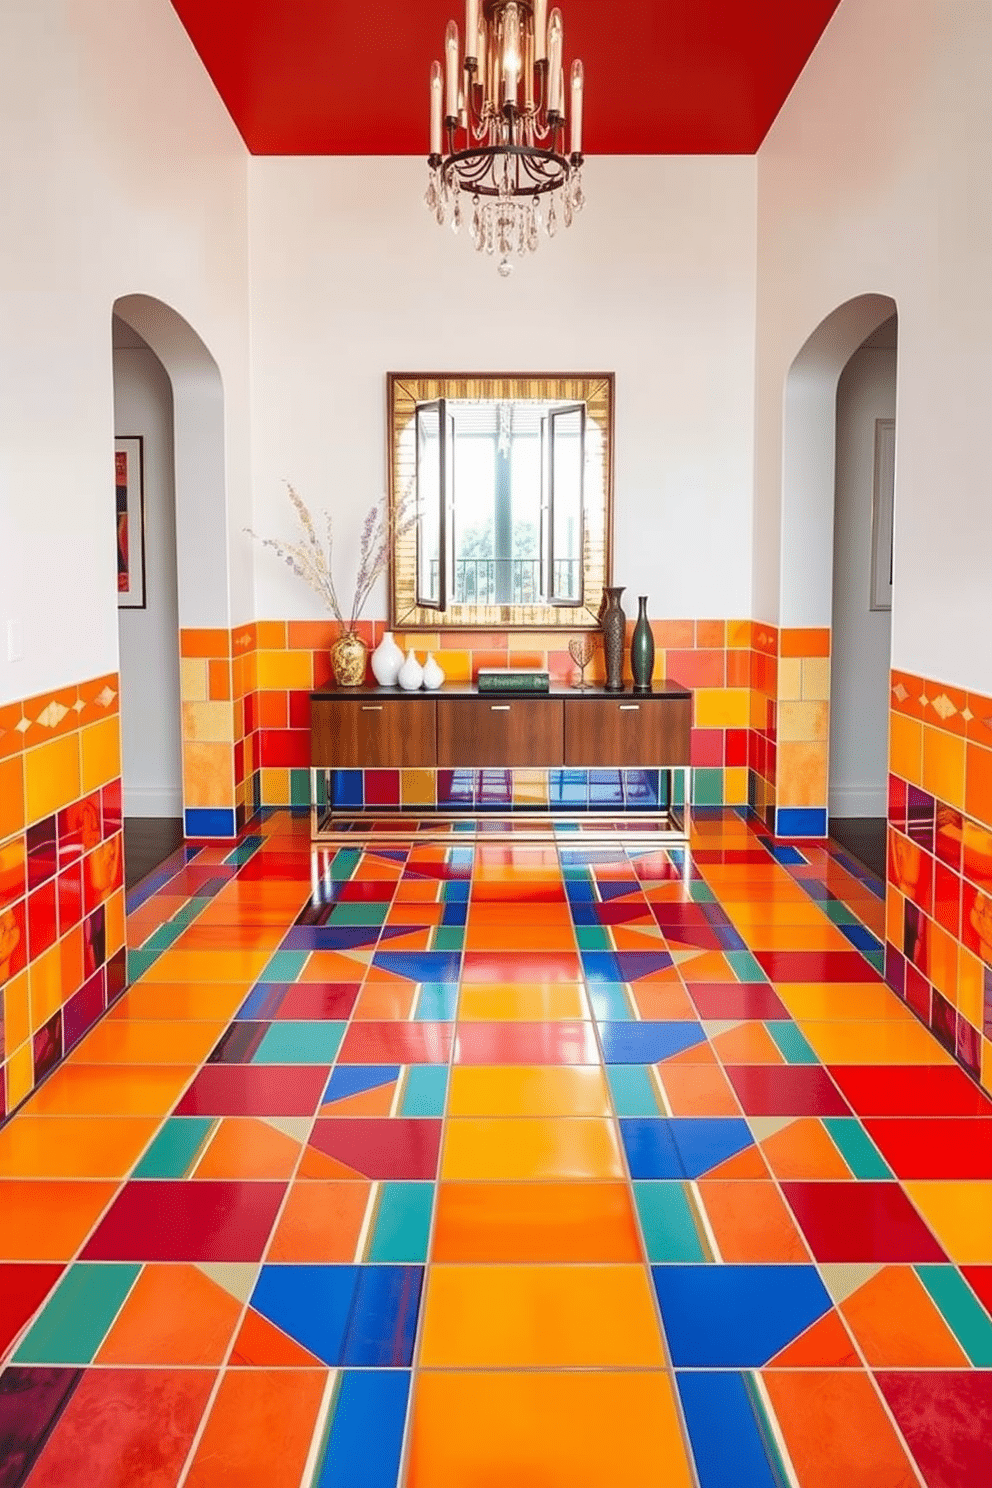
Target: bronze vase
[(613, 624)]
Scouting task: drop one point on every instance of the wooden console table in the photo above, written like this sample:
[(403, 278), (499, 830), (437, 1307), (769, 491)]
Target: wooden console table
[(458, 727)]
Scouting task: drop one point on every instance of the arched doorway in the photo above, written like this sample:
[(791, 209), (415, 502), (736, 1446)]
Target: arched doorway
[(803, 714), (196, 710)]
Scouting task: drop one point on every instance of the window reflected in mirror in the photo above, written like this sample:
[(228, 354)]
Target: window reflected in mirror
[(509, 480)]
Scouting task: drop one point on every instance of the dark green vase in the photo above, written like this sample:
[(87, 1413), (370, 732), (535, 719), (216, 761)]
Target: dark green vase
[(642, 648)]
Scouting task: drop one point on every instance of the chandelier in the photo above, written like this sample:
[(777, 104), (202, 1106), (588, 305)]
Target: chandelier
[(498, 128)]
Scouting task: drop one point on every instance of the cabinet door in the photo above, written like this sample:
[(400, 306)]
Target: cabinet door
[(628, 731), (365, 734), (490, 732)]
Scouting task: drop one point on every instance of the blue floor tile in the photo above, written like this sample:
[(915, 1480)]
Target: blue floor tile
[(736, 1317)]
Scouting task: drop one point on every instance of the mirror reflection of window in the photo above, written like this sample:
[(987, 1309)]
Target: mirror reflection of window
[(514, 502)]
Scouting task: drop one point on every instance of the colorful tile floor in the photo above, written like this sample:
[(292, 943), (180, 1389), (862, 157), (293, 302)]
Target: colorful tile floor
[(553, 1166)]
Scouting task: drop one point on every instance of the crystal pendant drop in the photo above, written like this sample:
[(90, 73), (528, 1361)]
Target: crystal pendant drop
[(456, 216), (578, 195), (430, 195), (552, 219), (504, 268), (475, 226), (533, 223), (567, 207)]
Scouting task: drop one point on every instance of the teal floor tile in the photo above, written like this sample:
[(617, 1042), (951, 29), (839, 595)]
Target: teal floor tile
[(344, 863), (78, 1315), (609, 1002), (165, 936), (791, 1044), (360, 912), (437, 1003), (668, 1223), (593, 938), (285, 966), (403, 1223), (448, 938), (961, 1311), (245, 850), (701, 893), (300, 1043), (177, 1145), (425, 1090), (138, 963), (744, 966), (857, 1148), (837, 911), (634, 1091)]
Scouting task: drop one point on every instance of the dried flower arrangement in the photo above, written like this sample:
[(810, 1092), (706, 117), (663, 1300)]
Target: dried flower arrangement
[(311, 560)]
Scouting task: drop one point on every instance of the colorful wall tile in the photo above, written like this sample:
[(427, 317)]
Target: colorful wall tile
[(938, 926), (802, 723), (61, 876)]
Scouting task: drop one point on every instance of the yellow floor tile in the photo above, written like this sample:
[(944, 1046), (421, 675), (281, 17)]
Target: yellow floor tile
[(102, 1090), (120, 1041), (875, 1043), (521, 1148), (827, 1001), (528, 1090), (565, 1317), (73, 1146), (558, 1430), (960, 1215)]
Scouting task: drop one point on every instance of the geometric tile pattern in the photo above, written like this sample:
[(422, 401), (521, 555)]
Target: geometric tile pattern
[(426, 1203)]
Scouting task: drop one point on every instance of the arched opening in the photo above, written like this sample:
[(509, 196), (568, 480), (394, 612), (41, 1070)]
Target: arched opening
[(802, 775), (176, 684)]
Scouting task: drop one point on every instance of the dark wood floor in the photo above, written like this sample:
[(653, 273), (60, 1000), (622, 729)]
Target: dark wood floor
[(148, 841), (864, 838)]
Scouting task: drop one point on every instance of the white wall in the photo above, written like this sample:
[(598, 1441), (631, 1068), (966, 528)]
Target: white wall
[(861, 640), (874, 179), (655, 281), (151, 741), (121, 173)]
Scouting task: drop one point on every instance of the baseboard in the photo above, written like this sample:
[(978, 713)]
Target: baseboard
[(152, 800), (858, 800)]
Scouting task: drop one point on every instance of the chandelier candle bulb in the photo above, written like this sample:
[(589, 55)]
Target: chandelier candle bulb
[(556, 41), (471, 28), (576, 108), (436, 107), (511, 53), (540, 30), (452, 68)]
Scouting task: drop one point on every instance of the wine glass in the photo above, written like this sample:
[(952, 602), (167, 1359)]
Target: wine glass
[(580, 649)]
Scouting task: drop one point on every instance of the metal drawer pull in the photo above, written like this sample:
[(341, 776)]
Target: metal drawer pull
[(371, 707), (630, 707), (499, 707)]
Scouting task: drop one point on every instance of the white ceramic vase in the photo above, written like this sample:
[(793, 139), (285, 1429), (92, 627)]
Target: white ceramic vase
[(387, 658), (433, 675), (411, 674)]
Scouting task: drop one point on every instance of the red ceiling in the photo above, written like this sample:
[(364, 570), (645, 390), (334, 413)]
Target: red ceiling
[(318, 77)]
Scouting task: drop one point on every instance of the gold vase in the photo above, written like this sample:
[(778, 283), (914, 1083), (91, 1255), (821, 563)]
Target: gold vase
[(348, 657)]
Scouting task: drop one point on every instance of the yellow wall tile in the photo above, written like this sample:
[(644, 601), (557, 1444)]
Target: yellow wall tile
[(802, 722), (987, 1063), (275, 787), (208, 774), (790, 679), (20, 1075), (943, 766), (417, 787), (11, 796), (894, 914), (816, 678), (193, 679), (45, 982), (16, 1011), (287, 670), (906, 748), (208, 723), (722, 707), (114, 908), (71, 961), (735, 785), (456, 665), (802, 774), (970, 987), (739, 635), (271, 635), (530, 788), (52, 776), (942, 953), (101, 747)]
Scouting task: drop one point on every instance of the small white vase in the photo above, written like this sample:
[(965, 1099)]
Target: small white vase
[(411, 674), (387, 658), (433, 675)]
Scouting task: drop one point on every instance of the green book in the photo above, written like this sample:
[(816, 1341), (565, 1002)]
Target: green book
[(497, 679)]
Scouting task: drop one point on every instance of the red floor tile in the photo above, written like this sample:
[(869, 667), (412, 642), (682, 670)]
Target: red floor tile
[(719, 1000), (786, 1090), (934, 1146), (176, 1221), (816, 966), (910, 1090), (396, 1043), (239, 1090), (380, 1148), (23, 1288), (946, 1419), (861, 1222)]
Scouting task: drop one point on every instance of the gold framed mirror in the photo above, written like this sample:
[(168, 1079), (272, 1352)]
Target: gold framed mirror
[(501, 492)]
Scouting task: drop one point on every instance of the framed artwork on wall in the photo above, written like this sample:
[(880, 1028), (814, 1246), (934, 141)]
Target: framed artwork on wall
[(130, 509), (881, 514)]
